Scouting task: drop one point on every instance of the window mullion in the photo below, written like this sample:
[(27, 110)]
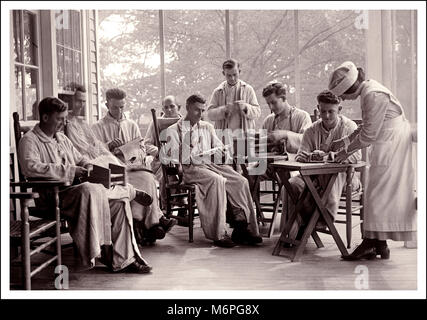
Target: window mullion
[(23, 100)]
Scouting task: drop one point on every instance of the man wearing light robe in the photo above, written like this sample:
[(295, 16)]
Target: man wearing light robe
[(317, 139), (115, 131), (284, 126), (83, 139), (93, 220), (192, 142), (233, 104)]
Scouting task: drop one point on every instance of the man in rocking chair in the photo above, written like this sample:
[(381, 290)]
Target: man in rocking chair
[(94, 221)]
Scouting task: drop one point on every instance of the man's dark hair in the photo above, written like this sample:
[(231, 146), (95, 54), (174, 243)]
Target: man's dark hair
[(115, 93), (328, 97), (51, 105), (79, 87), (195, 98), (277, 88), (230, 64)]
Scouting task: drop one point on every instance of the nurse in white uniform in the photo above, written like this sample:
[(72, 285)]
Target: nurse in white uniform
[(390, 206)]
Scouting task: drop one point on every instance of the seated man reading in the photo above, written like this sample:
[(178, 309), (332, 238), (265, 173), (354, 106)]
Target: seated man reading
[(94, 221), (315, 145), (192, 142), (149, 222)]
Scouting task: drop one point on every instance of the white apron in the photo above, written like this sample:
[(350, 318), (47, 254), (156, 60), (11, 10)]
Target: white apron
[(390, 195)]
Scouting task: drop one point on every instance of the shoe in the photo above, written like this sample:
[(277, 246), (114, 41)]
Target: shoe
[(321, 226), (224, 242), (240, 236), (297, 237), (253, 240), (237, 236), (167, 224), (182, 218), (137, 267), (382, 249), (366, 250), (143, 198), (154, 233)]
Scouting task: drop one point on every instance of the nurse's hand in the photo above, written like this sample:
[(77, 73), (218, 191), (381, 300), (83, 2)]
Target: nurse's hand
[(341, 156), (337, 144)]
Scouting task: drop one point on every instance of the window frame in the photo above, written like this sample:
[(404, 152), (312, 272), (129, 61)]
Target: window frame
[(22, 65), (61, 90)]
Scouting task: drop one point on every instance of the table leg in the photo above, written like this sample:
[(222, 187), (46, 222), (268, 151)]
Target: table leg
[(307, 232), (253, 188), (323, 211), (284, 237)]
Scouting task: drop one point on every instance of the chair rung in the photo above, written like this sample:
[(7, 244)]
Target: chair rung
[(42, 228), (43, 246), (342, 210), (36, 227), (176, 195), (44, 265), (345, 222), (268, 192), (354, 194), (326, 231)]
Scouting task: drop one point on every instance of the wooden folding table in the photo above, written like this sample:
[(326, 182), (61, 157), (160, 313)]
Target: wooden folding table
[(308, 172)]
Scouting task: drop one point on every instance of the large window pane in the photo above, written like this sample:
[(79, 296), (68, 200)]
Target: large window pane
[(30, 39), (194, 52), (68, 69), (17, 35), (129, 53), (18, 91), (326, 39), (60, 66), (67, 29), (406, 62), (263, 43), (59, 30), (69, 55), (76, 29), (77, 67), (31, 84)]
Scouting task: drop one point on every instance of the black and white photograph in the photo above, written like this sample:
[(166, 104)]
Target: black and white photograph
[(213, 150)]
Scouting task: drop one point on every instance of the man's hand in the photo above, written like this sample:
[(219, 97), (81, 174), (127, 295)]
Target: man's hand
[(241, 106), (114, 144), (229, 109), (80, 172)]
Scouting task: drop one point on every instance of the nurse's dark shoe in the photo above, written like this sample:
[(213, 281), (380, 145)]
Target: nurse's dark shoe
[(366, 250), (382, 249)]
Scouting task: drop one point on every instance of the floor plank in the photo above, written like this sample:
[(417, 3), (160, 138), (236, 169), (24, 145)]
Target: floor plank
[(180, 265)]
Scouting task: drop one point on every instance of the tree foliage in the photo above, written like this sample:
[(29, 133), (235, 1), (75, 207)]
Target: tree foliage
[(195, 47)]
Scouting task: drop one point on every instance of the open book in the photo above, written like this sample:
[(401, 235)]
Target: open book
[(131, 150), (164, 123)]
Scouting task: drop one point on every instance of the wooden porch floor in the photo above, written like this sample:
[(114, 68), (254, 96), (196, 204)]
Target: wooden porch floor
[(180, 265)]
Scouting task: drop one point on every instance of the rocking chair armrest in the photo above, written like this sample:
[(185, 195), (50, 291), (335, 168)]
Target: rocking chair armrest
[(24, 195), (40, 184)]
